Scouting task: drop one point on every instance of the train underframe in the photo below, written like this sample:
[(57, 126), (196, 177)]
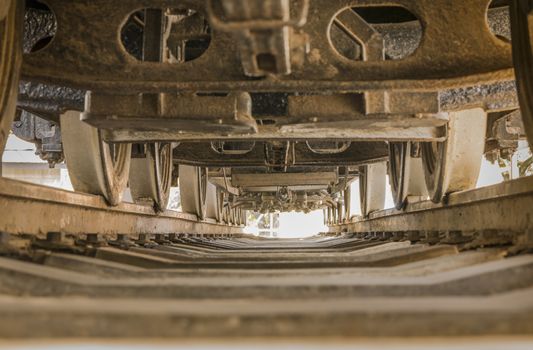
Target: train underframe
[(268, 105)]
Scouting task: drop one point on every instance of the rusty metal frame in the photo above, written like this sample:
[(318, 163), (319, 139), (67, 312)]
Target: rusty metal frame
[(457, 49)]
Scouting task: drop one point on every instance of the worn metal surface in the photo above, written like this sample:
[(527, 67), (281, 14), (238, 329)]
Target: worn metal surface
[(263, 30), (33, 209), (397, 128), (505, 208), (521, 25), (192, 113), (457, 49), (10, 62), (44, 134)]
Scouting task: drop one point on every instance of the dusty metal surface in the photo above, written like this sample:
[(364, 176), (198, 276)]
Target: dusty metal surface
[(33, 209), (504, 208), (457, 49), (45, 135), (217, 114), (360, 130), (10, 62)]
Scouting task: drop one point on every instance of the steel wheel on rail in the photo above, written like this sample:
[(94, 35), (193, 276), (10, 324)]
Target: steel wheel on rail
[(347, 195), (334, 217), (238, 217), (224, 208), (151, 175), (327, 216), (94, 166), (220, 200), (372, 183), (244, 217), (193, 190), (406, 174), (454, 165), (213, 205), (233, 216), (11, 19), (340, 212), (522, 37)]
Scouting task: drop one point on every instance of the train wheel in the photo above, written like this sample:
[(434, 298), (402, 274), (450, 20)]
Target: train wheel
[(238, 217), (151, 176), (193, 190), (94, 166), (11, 18), (522, 33), (229, 215), (454, 165), (225, 208), (234, 219), (214, 208), (372, 182), (334, 214), (244, 217), (406, 174), (220, 200), (347, 204), (225, 218), (339, 211)]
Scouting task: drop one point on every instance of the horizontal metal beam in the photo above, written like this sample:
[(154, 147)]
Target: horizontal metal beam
[(506, 207), (217, 114), (457, 49), (283, 179), (32, 209), (402, 129), (354, 106), (356, 154)]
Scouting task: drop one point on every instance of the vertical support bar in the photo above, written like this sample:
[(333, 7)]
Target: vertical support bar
[(154, 27), (347, 203)]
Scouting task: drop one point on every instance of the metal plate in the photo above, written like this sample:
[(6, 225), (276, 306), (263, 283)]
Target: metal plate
[(457, 49)]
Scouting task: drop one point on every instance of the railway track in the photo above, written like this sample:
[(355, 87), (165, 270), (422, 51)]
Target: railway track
[(35, 209), (418, 273)]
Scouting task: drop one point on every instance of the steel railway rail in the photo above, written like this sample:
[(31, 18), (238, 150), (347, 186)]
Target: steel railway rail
[(77, 268), (32, 209), (506, 207)]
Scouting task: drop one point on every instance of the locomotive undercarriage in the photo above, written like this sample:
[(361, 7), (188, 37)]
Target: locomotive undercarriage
[(271, 105)]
